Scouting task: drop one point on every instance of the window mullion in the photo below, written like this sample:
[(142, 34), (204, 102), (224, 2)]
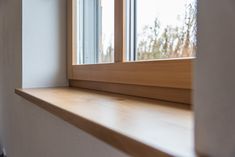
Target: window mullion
[(119, 25), (132, 30), (135, 29)]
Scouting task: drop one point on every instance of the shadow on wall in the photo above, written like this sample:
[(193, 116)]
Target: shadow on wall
[(1, 152)]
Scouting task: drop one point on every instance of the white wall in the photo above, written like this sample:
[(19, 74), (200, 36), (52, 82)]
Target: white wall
[(215, 79), (44, 43), (25, 129)]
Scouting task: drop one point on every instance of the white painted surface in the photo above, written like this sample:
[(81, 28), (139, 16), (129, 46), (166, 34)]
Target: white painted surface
[(215, 79), (26, 130), (44, 43)]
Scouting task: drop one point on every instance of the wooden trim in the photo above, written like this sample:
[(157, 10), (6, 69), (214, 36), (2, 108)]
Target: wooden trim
[(74, 32), (119, 31), (136, 126), (165, 73), (71, 50), (166, 94), (160, 76), (69, 38), (124, 46)]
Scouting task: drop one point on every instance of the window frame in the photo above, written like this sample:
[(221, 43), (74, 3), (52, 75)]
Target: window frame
[(168, 75)]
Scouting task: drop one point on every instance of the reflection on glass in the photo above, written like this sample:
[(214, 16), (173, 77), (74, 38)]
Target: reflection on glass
[(165, 29), (94, 29), (106, 53)]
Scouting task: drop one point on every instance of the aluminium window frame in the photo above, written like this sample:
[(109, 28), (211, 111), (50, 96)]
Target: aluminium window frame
[(159, 76), (131, 32)]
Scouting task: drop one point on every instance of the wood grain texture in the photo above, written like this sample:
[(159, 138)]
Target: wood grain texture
[(119, 31), (162, 73), (165, 94), (71, 38), (139, 127)]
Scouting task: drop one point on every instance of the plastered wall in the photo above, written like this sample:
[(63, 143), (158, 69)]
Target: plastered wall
[(214, 101)]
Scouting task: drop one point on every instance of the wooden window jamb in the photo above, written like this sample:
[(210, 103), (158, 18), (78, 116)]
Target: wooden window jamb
[(167, 76)]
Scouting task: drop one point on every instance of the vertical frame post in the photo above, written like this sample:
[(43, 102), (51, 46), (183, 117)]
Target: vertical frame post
[(119, 29), (71, 37)]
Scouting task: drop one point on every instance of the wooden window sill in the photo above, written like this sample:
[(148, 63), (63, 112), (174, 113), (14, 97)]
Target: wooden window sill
[(137, 126)]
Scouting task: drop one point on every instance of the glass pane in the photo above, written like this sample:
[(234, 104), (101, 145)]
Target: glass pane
[(94, 29), (165, 29)]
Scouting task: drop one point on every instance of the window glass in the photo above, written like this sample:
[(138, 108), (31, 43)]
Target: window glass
[(94, 29), (161, 29)]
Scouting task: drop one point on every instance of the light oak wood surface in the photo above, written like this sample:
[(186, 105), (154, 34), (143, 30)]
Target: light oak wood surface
[(136, 126), (169, 80), (71, 36), (119, 26), (159, 93), (162, 73)]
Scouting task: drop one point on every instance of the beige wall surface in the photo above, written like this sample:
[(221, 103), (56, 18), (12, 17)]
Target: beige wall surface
[(215, 79)]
